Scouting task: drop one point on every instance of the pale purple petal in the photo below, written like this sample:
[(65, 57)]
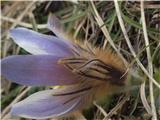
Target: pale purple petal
[(37, 70), (36, 43), (55, 26), (44, 104)]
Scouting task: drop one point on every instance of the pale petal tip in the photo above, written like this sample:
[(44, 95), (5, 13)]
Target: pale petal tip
[(14, 32), (53, 23), (11, 32), (14, 111)]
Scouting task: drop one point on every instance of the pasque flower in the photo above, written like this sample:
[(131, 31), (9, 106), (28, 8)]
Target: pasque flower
[(85, 72)]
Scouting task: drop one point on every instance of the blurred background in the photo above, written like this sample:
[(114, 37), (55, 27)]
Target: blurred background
[(79, 20)]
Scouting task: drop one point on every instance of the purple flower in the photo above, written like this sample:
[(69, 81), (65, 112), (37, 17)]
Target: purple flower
[(56, 61), (42, 69)]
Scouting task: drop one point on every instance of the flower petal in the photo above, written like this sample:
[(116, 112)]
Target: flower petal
[(36, 43), (55, 26), (37, 70), (44, 104)]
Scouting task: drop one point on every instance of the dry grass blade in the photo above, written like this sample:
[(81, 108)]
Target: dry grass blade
[(150, 66), (24, 24), (23, 13), (11, 9), (154, 6), (78, 28), (143, 98), (118, 106), (100, 108), (129, 44)]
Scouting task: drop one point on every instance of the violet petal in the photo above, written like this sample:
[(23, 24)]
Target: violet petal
[(44, 104), (55, 26), (37, 43), (36, 70)]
